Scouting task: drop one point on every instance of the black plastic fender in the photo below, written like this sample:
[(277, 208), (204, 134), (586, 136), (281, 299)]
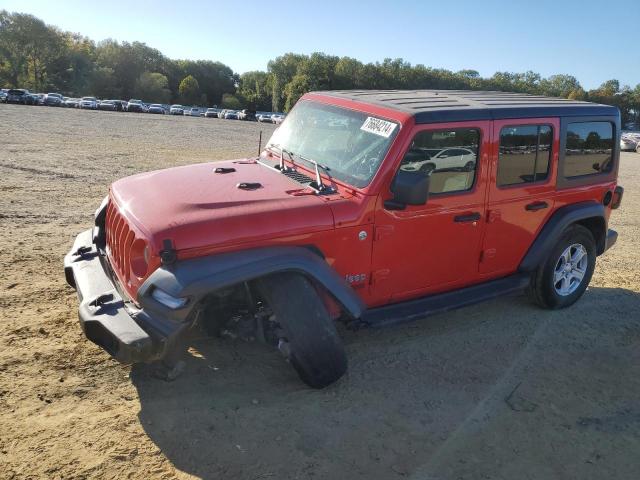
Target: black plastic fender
[(195, 278), (559, 221)]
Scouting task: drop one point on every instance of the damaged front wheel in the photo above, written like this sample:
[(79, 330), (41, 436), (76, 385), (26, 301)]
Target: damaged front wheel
[(311, 341)]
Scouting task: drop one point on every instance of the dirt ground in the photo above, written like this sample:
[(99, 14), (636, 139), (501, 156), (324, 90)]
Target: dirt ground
[(502, 390)]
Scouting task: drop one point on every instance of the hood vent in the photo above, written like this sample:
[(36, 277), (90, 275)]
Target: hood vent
[(224, 170), (249, 185)]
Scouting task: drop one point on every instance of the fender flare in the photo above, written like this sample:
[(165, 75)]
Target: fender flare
[(195, 278), (556, 225)]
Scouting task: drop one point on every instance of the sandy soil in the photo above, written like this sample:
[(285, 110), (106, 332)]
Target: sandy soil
[(502, 390)]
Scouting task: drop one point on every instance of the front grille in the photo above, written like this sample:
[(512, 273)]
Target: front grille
[(119, 240)]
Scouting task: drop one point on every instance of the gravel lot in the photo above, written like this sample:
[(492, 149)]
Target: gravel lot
[(502, 390)]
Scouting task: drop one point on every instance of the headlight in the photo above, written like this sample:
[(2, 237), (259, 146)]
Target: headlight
[(168, 300), (139, 257)]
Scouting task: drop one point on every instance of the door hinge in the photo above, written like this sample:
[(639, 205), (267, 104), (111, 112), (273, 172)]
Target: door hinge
[(379, 275), (383, 231)]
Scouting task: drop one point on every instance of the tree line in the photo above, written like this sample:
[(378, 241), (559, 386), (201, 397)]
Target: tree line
[(41, 57)]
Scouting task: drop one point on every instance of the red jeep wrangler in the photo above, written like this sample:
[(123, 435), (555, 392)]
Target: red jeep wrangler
[(368, 207)]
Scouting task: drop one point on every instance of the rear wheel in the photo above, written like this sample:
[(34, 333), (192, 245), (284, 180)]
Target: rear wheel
[(566, 273), (309, 337)]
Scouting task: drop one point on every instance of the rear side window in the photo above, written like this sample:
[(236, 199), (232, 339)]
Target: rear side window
[(525, 152), (589, 149), (449, 156)]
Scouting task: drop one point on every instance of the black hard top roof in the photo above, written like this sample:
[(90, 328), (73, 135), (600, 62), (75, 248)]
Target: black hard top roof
[(428, 106)]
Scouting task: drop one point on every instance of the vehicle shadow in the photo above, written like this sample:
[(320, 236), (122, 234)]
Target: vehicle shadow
[(239, 411)]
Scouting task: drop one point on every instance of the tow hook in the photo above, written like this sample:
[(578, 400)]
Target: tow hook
[(80, 252), (98, 302)]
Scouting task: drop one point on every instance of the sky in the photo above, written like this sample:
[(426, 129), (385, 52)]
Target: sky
[(592, 40)]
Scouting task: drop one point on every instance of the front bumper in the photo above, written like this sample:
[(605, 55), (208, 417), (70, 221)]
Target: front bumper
[(127, 333)]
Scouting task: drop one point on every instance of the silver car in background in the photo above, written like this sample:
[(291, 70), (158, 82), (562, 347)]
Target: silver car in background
[(156, 108), (629, 141), (90, 103)]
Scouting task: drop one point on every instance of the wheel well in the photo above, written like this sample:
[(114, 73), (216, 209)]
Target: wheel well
[(244, 295), (597, 227)]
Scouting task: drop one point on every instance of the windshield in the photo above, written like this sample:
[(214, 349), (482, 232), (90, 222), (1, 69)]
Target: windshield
[(350, 144), (91, 99)]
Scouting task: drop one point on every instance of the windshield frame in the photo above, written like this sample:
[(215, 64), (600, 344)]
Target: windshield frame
[(368, 110)]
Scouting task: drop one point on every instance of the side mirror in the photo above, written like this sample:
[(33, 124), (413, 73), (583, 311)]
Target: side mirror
[(408, 188)]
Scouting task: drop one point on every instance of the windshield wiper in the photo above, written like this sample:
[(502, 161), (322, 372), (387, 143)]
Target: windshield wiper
[(283, 151), (321, 187)]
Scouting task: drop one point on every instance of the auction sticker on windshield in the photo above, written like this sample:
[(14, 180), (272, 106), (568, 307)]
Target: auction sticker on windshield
[(378, 127)]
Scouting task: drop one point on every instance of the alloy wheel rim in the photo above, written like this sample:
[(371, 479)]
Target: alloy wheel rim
[(570, 269)]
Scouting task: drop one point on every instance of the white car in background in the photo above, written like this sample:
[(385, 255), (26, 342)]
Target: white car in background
[(89, 103), (429, 160), (277, 118), (176, 110), (263, 117), (192, 112), (629, 141)]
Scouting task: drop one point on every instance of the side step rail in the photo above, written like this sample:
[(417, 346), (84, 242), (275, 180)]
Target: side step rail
[(417, 309)]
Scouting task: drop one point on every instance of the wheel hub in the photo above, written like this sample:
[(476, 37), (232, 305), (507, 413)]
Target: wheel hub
[(570, 269)]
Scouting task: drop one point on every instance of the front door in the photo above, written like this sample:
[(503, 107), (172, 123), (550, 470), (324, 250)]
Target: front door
[(522, 183), (434, 247)]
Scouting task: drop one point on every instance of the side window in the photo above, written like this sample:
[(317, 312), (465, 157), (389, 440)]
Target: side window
[(589, 149), (525, 152), (448, 156)]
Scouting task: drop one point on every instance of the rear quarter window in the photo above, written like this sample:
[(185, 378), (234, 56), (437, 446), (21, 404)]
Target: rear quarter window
[(588, 149)]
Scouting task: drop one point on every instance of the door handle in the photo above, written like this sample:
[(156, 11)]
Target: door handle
[(469, 217), (532, 207)]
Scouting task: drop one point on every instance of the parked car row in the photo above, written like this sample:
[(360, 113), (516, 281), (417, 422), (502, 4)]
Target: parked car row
[(24, 97)]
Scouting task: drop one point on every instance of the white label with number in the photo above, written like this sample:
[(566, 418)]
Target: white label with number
[(378, 127)]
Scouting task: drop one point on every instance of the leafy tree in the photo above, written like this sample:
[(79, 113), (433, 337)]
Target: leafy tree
[(153, 87), (28, 48), (255, 89), (189, 90), (298, 86), (231, 101), (283, 69), (103, 84)]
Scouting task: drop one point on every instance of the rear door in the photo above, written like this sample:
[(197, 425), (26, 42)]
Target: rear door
[(524, 158)]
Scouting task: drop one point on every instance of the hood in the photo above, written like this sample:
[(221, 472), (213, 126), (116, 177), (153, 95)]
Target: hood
[(195, 207)]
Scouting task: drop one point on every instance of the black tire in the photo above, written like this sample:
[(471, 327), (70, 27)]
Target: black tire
[(469, 166), (315, 349), (542, 290), (427, 168)]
